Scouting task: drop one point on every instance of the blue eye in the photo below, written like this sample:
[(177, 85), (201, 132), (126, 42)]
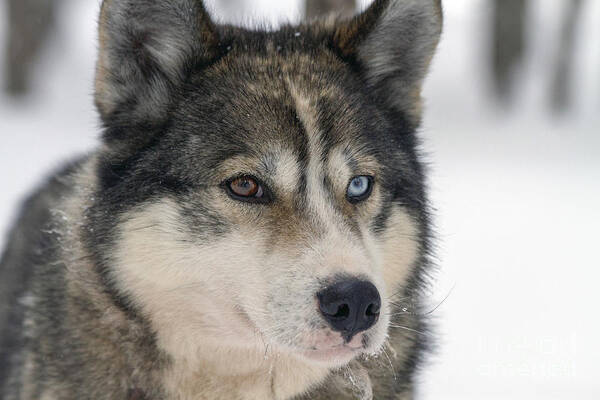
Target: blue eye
[(359, 188)]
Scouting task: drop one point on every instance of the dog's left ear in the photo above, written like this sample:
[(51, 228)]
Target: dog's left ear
[(393, 43), (147, 48)]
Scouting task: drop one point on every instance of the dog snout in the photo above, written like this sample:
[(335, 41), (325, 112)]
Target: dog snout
[(350, 306)]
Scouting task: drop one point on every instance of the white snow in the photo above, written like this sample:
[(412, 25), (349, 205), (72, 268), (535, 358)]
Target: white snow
[(517, 195)]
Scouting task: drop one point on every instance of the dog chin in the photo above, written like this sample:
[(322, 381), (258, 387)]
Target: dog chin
[(335, 356), (333, 352)]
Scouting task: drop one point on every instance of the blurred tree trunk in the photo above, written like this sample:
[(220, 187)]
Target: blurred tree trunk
[(561, 85), (316, 8), (509, 17), (29, 23)]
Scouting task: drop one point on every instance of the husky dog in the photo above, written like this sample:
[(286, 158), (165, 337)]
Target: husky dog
[(250, 226)]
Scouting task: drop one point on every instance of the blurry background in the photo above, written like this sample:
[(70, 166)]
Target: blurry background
[(511, 133)]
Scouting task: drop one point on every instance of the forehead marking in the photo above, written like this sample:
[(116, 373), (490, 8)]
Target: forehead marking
[(338, 165), (317, 199), (287, 171)]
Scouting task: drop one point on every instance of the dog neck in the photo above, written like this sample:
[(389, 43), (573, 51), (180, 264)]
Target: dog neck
[(218, 372)]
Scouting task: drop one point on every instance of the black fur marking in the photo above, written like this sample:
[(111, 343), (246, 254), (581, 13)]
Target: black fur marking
[(180, 96)]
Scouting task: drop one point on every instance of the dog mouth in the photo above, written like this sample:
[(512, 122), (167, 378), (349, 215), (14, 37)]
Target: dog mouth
[(321, 346), (338, 353), (339, 350)]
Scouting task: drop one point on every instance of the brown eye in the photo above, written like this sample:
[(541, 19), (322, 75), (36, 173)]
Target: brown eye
[(246, 188)]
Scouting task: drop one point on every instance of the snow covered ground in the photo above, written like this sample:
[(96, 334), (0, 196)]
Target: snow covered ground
[(517, 197)]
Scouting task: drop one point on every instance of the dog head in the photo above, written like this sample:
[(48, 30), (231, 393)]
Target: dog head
[(262, 189)]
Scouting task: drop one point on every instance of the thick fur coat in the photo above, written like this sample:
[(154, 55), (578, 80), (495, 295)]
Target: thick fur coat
[(140, 272)]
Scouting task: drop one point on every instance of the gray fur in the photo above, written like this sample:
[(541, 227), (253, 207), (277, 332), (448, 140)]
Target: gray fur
[(146, 48), (398, 51), (114, 275)]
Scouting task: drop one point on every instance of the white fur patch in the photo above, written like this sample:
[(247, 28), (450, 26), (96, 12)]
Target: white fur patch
[(399, 249), (190, 292)]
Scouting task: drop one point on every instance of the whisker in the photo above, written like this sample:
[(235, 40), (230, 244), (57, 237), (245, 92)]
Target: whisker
[(398, 293), (391, 364), (405, 309), (140, 228), (187, 286), (407, 328), (441, 302)]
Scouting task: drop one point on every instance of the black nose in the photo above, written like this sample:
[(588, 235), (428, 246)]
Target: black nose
[(350, 306)]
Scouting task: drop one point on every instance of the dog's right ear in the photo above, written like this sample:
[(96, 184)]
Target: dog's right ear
[(147, 48)]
